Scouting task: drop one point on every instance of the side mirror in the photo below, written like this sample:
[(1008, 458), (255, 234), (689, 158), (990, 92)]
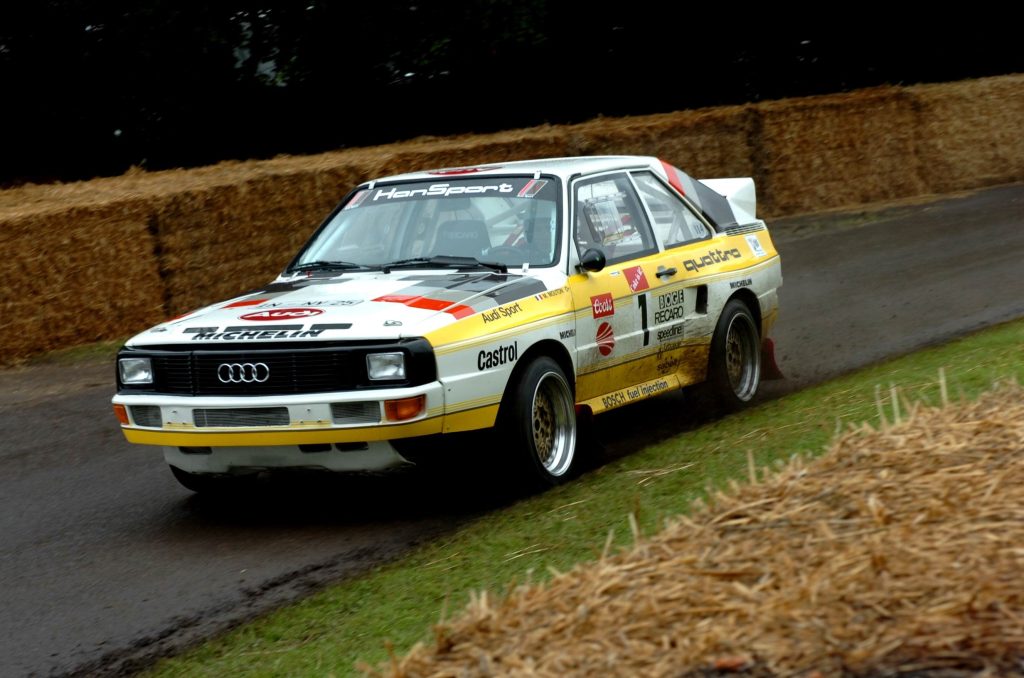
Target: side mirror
[(593, 260)]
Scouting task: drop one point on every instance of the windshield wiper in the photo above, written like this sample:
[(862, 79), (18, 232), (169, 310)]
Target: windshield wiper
[(328, 266), (444, 261)]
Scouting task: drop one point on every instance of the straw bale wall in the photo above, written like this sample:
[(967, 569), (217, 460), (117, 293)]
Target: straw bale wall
[(897, 553), (104, 258)]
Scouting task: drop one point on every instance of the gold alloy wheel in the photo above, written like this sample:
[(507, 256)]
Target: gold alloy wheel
[(553, 424)]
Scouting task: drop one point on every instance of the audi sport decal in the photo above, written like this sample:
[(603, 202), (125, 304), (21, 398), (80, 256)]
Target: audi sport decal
[(636, 278), (605, 339), (281, 314), (501, 312), (603, 305)]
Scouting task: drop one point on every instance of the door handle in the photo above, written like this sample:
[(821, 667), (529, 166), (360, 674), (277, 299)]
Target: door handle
[(666, 272)]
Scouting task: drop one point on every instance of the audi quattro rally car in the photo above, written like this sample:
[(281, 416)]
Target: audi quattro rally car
[(516, 295)]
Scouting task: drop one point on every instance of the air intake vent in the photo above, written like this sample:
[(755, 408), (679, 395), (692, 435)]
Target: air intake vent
[(362, 412), (146, 415), (241, 417)]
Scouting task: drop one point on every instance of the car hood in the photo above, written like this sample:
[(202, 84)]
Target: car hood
[(353, 306)]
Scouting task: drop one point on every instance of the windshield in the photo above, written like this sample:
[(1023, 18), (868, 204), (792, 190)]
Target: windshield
[(503, 220)]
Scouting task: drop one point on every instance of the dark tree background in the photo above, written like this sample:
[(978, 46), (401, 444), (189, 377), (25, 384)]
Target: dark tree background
[(92, 88)]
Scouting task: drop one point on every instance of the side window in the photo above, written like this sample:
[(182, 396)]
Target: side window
[(674, 221), (609, 218)]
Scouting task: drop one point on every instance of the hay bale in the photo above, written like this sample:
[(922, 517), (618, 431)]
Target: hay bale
[(898, 551), (969, 133), (837, 150), (87, 276), (209, 233)]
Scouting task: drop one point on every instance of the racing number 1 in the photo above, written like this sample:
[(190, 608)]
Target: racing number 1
[(642, 300)]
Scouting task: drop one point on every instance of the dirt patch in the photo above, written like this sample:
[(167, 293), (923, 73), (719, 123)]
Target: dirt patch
[(899, 551)]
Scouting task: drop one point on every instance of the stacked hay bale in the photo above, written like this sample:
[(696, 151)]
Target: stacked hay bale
[(898, 551), (144, 247)]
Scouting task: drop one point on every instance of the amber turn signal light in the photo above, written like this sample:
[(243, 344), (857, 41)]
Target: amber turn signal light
[(406, 408), (122, 414)]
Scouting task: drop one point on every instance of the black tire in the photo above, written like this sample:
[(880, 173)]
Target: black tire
[(538, 424), (734, 365), (211, 484)]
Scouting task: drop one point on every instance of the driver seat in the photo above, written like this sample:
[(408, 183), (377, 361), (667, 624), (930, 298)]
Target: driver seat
[(462, 238)]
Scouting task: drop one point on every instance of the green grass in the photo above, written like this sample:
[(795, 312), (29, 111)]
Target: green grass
[(352, 621)]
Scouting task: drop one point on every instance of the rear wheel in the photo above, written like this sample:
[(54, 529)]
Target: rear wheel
[(539, 423), (734, 367)]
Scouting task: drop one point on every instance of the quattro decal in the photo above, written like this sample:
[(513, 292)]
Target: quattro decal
[(715, 256)]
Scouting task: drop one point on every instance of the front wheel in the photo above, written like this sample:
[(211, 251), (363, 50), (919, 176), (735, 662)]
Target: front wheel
[(734, 367), (539, 423)]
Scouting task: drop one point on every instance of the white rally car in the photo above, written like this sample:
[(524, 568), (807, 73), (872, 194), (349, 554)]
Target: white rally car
[(518, 296)]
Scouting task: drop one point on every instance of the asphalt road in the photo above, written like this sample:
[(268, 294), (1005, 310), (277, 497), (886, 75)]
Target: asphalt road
[(106, 562)]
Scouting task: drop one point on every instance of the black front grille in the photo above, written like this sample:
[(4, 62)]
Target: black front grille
[(201, 373), (241, 371)]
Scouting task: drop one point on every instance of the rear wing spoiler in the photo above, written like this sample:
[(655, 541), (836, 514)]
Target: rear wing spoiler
[(726, 203), (740, 194)]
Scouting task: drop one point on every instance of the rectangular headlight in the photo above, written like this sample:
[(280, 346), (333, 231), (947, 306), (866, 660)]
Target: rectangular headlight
[(135, 370), (385, 366)]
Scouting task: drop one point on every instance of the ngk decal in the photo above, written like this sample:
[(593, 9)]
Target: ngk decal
[(603, 305), (636, 278), (605, 339), (282, 314)]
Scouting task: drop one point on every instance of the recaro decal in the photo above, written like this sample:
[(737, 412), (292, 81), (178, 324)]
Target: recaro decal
[(670, 307), (603, 305), (281, 314), (712, 257), (497, 357)]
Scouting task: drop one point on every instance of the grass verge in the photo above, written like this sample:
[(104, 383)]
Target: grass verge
[(357, 620)]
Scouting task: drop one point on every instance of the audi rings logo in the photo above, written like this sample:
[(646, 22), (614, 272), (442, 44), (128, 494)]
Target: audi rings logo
[(243, 373)]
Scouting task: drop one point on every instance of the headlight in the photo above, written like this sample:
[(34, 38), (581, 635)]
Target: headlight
[(385, 366), (135, 370)]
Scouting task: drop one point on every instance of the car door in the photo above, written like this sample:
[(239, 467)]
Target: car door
[(675, 304), (612, 340)]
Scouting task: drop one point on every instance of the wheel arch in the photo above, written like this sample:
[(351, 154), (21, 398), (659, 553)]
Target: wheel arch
[(555, 350), (750, 300)]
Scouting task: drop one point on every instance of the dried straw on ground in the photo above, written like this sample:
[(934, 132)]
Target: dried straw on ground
[(901, 550)]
